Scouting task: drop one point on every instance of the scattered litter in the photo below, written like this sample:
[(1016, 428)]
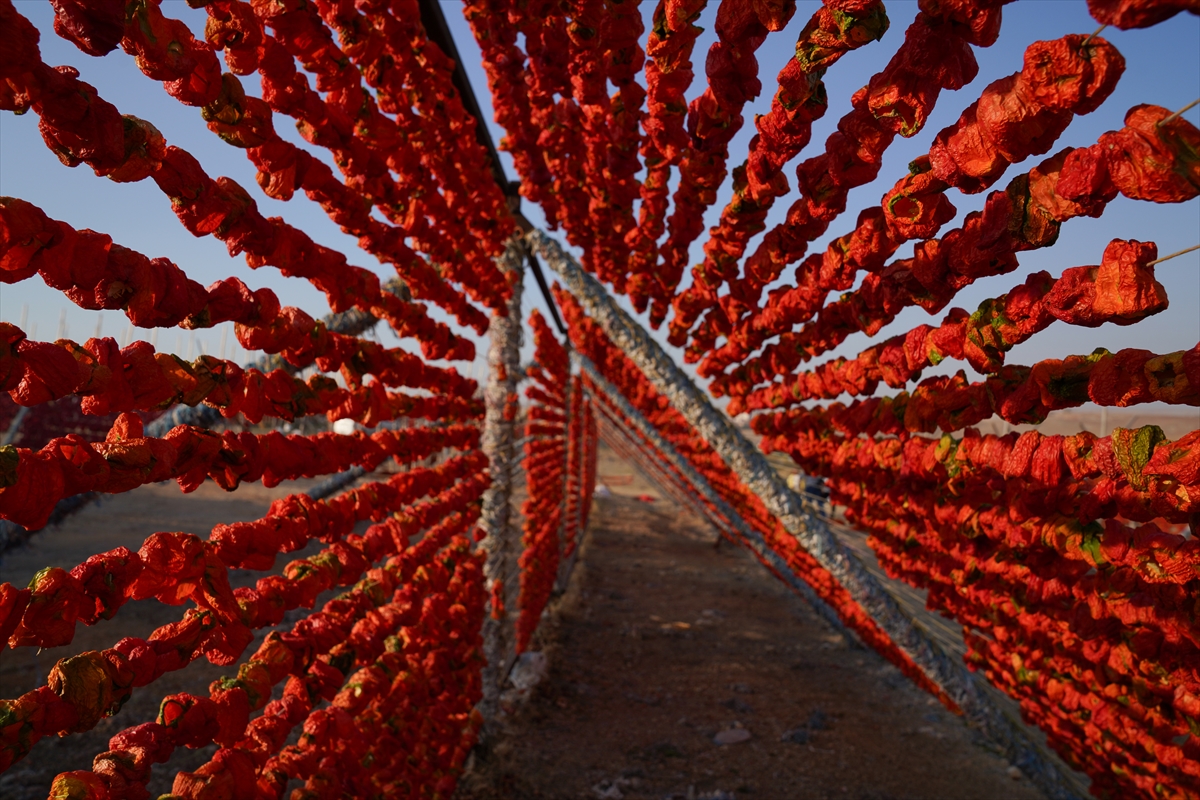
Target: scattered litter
[(646, 498), (601, 491), (734, 735), (1015, 773), (740, 706), (796, 736), (646, 700), (610, 790), (529, 671)]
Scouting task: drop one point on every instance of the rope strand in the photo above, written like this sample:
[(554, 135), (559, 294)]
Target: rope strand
[(1093, 35), (1175, 116), (1174, 255)]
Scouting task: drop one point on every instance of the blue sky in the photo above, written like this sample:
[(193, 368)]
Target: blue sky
[(1163, 68)]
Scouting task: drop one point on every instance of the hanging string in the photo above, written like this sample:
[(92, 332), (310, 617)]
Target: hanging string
[(1093, 35), (1174, 255), (1183, 110)]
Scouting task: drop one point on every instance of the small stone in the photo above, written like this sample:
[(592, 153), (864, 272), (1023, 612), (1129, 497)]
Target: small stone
[(740, 706), (607, 791), (529, 671), (818, 720), (732, 736), (741, 688), (1015, 773), (797, 736)]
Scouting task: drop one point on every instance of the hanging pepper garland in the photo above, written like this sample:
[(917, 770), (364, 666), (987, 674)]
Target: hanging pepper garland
[(316, 658), (714, 118), (668, 74), (95, 273), (512, 99), (917, 207), (1050, 543), (246, 121), (581, 466), (1121, 290), (935, 55), (126, 149), (219, 627), (169, 566), (560, 463), (113, 380), (545, 473), (32, 482), (398, 657), (833, 30), (1144, 160), (1061, 555)]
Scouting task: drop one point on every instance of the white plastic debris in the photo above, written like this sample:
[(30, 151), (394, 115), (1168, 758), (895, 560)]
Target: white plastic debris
[(732, 736), (529, 671)]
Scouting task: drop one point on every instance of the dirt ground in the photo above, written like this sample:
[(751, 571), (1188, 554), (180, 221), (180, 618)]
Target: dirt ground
[(665, 643)]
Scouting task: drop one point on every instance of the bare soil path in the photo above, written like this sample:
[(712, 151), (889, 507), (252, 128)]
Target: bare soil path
[(663, 642)]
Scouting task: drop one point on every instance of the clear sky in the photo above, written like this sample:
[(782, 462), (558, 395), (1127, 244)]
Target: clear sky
[(1163, 68)]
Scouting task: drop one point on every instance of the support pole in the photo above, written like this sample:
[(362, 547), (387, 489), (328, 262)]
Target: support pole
[(502, 539), (753, 469)]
